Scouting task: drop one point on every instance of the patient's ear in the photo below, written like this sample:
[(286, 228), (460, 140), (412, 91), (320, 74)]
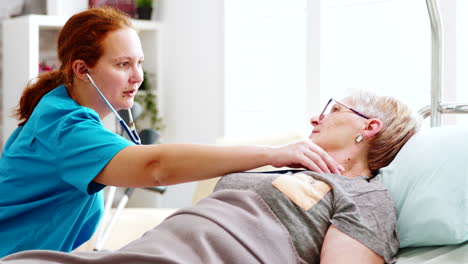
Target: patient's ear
[(80, 69), (373, 126)]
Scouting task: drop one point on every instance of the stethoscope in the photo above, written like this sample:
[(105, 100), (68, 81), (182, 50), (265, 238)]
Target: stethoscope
[(133, 135), (131, 131)]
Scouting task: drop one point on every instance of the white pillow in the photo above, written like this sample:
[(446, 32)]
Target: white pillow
[(428, 181)]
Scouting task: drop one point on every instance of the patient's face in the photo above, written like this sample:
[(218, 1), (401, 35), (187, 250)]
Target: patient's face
[(338, 129)]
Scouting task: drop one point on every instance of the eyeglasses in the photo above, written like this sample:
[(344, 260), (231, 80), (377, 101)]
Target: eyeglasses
[(324, 112)]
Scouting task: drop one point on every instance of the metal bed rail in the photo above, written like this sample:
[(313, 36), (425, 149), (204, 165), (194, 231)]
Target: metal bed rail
[(437, 108), (444, 108)]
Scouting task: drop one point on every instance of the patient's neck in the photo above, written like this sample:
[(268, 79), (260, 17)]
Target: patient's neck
[(353, 161)]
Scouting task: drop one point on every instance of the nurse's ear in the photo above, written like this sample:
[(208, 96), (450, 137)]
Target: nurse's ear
[(80, 69)]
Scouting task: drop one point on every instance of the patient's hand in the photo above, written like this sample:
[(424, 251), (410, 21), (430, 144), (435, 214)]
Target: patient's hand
[(305, 154)]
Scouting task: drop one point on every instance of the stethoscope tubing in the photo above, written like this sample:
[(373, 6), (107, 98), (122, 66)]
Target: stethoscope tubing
[(132, 134)]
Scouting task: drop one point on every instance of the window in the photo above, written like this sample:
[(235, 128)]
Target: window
[(265, 66), (377, 45), (462, 56)]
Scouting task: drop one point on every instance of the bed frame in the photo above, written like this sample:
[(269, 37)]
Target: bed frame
[(437, 107), (451, 253)]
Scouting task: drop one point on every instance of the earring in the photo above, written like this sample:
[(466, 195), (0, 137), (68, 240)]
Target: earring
[(359, 138)]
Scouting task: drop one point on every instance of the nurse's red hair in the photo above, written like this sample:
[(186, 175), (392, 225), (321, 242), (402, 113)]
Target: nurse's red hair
[(80, 38)]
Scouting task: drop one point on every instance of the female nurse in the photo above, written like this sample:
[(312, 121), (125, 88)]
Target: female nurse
[(55, 164)]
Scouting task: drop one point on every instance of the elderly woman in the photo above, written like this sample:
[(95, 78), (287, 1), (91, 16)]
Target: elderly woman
[(287, 217)]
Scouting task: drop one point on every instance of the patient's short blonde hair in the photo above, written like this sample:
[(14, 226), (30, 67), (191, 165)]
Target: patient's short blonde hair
[(399, 125)]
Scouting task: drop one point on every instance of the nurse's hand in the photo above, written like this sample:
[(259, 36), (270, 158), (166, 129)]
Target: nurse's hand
[(305, 154)]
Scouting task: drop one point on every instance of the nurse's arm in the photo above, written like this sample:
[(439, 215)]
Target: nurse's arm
[(167, 164)]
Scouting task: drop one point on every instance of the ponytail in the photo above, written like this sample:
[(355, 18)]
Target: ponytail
[(34, 91), (80, 38)]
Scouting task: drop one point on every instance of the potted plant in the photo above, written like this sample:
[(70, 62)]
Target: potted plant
[(147, 98), (144, 9)]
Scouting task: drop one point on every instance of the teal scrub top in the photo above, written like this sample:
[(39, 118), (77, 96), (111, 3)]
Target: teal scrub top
[(48, 199)]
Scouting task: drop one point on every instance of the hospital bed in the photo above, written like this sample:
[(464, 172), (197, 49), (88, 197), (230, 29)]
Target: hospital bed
[(446, 254), (428, 180)]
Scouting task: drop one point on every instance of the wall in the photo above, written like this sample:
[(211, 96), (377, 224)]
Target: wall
[(191, 79)]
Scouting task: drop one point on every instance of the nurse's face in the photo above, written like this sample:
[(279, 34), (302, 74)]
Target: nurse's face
[(118, 73)]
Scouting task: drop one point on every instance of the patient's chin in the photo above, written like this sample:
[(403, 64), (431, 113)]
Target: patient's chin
[(315, 138)]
